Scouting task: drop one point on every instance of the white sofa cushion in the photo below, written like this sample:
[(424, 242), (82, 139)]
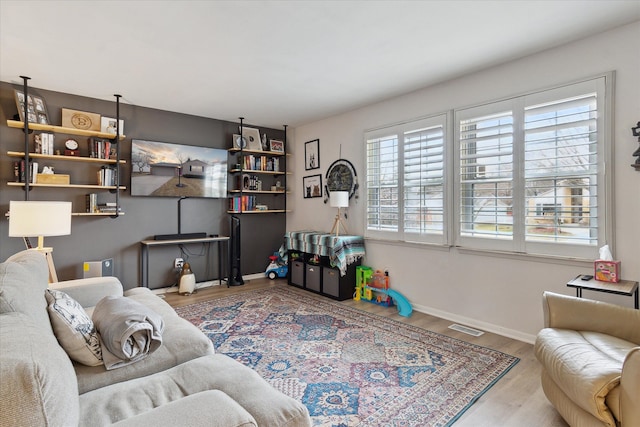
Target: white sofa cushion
[(266, 405), (23, 280), (37, 384), (182, 341)]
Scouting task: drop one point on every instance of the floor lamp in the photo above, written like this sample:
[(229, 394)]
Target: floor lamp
[(338, 199), (40, 219)]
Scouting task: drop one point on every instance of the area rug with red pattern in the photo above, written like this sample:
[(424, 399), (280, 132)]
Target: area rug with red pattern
[(349, 367)]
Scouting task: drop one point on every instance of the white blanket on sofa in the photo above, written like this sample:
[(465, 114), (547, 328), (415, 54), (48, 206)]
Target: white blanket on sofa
[(129, 331)]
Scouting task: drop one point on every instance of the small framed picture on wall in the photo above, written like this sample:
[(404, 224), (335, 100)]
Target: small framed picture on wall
[(312, 154), (312, 186)]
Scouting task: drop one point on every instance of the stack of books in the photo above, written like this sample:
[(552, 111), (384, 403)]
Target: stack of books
[(107, 176)]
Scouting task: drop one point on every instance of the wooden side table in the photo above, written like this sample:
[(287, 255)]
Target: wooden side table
[(623, 287)]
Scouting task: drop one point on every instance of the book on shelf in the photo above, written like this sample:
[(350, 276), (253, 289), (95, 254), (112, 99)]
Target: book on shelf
[(34, 172), (242, 203), (22, 173), (260, 163), (107, 176), (91, 202), (43, 143), (108, 209), (99, 148)]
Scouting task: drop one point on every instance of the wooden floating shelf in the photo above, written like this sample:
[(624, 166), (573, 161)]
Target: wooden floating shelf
[(59, 129), (262, 152), (96, 214), (65, 158), (259, 212), (258, 191), (258, 171), (95, 186)]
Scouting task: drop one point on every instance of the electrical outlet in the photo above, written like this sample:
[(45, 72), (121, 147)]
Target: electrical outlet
[(178, 263)]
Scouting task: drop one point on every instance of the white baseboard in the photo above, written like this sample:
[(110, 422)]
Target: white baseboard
[(488, 327), (207, 284)]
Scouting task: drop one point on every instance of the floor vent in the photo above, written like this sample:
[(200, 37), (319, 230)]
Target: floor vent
[(466, 330)]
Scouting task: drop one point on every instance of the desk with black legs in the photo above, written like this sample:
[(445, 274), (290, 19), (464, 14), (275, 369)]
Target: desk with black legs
[(146, 244)]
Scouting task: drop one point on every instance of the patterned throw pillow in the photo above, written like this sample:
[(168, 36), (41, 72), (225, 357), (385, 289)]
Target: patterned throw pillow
[(73, 328)]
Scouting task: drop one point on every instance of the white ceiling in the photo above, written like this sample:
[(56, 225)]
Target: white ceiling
[(278, 62)]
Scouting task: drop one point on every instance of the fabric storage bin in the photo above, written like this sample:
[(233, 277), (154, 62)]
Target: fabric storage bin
[(312, 281), (297, 273)]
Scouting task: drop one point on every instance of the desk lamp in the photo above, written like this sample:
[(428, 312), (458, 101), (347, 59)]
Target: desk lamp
[(339, 199), (40, 219)]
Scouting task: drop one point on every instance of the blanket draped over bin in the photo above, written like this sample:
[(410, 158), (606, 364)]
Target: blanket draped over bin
[(341, 250)]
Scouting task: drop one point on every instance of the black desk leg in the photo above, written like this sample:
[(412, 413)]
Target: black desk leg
[(144, 268), (579, 292), (636, 299)]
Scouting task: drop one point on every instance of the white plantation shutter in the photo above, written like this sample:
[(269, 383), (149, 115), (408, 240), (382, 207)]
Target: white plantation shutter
[(486, 175), (383, 211), (423, 183), (531, 172), (523, 175), (561, 170), (406, 189)]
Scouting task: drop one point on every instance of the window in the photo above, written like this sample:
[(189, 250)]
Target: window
[(405, 181), (531, 172), (523, 175)]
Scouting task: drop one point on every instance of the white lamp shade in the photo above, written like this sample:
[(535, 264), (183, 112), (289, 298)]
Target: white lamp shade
[(35, 219), (339, 199)]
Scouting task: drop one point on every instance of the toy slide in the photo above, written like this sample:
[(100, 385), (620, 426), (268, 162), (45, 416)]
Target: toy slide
[(403, 304)]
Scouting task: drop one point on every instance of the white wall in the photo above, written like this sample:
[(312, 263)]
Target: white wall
[(497, 293)]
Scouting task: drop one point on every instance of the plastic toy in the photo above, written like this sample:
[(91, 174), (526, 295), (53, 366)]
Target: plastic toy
[(277, 268), (374, 288)]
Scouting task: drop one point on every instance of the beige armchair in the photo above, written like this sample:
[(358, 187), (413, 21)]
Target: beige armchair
[(590, 356)]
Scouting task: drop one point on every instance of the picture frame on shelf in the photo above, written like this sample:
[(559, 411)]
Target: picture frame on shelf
[(252, 136), (108, 125), (239, 142), (312, 154), (312, 186), (37, 109), (276, 146), (84, 120), (246, 181)]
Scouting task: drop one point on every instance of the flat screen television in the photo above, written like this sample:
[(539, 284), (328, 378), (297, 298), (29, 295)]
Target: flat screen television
[(162, 169)]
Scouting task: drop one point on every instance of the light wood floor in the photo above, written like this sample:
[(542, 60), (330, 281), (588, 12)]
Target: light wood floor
[(515, 400)]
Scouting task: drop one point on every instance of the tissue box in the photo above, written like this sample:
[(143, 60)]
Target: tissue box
[(607, 271)]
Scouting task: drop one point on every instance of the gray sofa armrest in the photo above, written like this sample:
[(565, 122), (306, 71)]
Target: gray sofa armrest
[(211, 408), (579, 314), (630, 390), (91, 290)]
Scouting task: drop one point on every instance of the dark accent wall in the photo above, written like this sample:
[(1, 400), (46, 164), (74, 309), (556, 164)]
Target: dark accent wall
[(97, 238)]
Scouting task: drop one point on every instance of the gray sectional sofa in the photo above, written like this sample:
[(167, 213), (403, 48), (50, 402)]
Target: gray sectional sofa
[(183, 382)]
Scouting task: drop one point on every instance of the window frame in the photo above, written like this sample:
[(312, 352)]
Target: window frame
[(451, 235), (399, 131), (603, 86)]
